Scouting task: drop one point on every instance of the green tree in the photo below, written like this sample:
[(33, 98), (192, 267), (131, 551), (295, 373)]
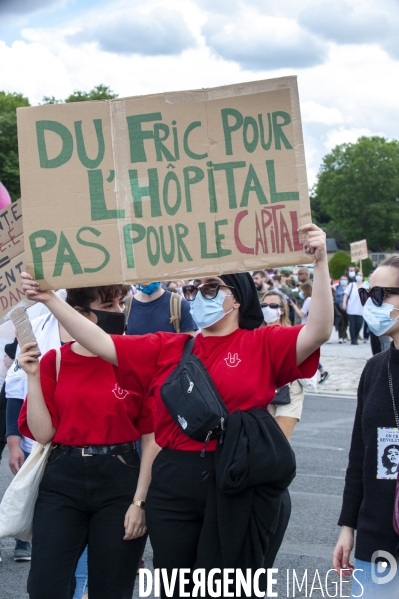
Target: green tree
[(9, 165), (338, 263), (99, 92), (357, 192)]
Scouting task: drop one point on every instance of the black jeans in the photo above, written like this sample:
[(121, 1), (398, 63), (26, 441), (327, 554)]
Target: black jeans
[(175, 510), (83, 501), (355, 326)]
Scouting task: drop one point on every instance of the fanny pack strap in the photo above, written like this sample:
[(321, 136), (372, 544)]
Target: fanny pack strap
[(188, 348)]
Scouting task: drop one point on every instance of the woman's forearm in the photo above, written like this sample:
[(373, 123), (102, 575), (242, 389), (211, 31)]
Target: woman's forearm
[(149, 450), (38, 416), (87, 333), (321, 314)]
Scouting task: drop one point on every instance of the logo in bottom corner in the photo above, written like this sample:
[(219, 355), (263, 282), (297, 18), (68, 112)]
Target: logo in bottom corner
[(383, 572), (182, 422)]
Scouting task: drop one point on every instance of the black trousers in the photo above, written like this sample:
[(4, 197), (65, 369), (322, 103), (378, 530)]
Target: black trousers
[(175, 510), (355, 326), (83, 501), (343, 324)]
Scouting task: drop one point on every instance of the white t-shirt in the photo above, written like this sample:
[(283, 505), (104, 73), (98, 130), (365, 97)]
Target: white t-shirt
[(305, 310), (353, 306)]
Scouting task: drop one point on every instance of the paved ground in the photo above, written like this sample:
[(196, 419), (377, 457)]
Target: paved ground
[(345, 363), (321, 443)]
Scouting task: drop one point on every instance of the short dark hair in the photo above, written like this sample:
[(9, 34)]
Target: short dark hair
[(261, 273), (84, 296)]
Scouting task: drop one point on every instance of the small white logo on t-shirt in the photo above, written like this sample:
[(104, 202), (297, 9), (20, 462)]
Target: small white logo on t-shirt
[(119, 393), (232, 361), (182, 421)]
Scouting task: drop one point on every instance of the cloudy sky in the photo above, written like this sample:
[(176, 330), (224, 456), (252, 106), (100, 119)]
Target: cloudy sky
[(345, 53)]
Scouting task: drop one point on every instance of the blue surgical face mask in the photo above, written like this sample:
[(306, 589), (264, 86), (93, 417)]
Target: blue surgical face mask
[(343, 282), (149, 289), (296, 278), (301, 295), (379, 317), (208, 312), (358, 278)]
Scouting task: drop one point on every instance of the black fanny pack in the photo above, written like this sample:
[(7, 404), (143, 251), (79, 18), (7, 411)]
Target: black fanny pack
[(192, 400)]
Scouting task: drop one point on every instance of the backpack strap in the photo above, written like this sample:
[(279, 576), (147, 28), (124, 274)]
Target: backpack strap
[(57, 363), (175, 310), (188, 348), (128, 307)]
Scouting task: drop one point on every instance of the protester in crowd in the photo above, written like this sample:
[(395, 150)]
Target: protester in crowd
[(49, 335), (369, 494), (8, 360), (338, 301), (275, 311), (9, 355), (93, 490), (303, 275), (263, 283), (154, 309), (351, 272), (352, 306), (246, 363), (276, 282), (171, 286), (305, 294)]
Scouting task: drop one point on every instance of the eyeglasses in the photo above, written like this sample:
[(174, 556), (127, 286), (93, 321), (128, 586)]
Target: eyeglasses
[(208, 290), (273, 306), (376, 294)]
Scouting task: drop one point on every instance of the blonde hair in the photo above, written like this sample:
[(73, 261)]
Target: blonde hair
[(283, 320)]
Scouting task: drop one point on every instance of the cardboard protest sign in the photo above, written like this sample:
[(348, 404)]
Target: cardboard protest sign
[(173, 185), (11, 259), (359, 250)]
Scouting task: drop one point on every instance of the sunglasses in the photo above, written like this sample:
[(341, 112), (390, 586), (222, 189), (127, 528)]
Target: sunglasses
[(208, 290), (376, 294), (273, 306)]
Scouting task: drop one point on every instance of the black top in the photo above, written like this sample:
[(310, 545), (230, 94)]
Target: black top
[(368, 502)]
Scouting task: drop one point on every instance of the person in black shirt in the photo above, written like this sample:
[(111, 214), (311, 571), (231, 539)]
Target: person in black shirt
[(369, 493)]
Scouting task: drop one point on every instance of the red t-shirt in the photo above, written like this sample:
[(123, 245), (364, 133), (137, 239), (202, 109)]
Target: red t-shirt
[(87, 406), (245, 366)]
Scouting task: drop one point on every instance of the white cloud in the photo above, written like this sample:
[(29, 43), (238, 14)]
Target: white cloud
[(161, 32), (312, 112), (343, 135), (260, 43)]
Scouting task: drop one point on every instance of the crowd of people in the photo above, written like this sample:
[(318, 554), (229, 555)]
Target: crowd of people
[(122, 466)]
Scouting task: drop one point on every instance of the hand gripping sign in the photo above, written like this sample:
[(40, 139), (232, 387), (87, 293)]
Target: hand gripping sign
[(173, 185)]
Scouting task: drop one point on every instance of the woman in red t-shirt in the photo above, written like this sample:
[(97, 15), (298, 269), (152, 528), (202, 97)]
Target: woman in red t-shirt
[(94, 487), (246, 364)]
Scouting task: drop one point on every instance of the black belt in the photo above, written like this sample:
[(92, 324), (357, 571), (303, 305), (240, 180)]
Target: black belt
[(91, 450)]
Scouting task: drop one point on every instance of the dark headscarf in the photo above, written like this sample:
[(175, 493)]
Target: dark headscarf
[(250, 312)]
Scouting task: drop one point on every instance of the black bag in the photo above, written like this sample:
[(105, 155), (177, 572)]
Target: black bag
[(192, 399), (282, 397)]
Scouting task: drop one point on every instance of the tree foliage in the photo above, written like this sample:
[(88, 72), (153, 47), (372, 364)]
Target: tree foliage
[(338, 263), (357, 192), (9, 165)]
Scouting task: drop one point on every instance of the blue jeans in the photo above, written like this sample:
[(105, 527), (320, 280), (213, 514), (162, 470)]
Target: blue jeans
[(81, 576), (368, 589)]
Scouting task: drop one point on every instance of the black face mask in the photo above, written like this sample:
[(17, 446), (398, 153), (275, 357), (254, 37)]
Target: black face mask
[(112, 323)]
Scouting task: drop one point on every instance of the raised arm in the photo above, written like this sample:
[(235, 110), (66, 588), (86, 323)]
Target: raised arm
[(318, 328), (88, 334)]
